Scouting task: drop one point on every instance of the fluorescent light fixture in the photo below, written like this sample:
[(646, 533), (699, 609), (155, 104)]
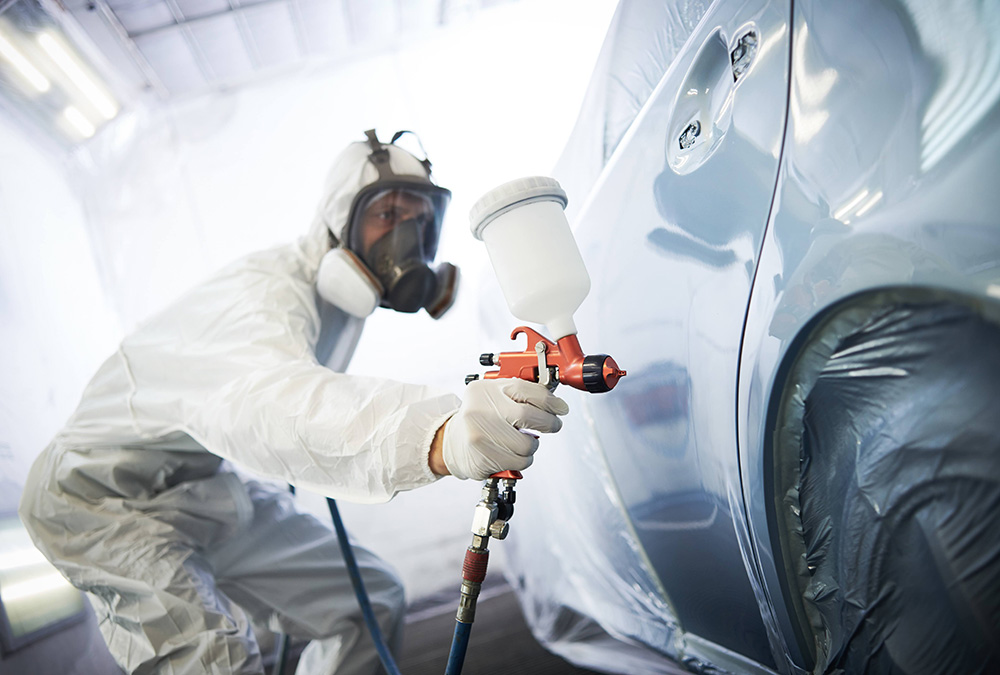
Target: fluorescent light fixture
[(79, 121), (70, 65), (25, 557), (23, 66), (41, 584)]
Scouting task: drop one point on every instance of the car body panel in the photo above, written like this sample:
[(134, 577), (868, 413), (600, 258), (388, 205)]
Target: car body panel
[(692, 221), (712, 266), (887, 181)]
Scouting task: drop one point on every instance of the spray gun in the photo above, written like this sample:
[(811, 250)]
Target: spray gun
[(544, 281)]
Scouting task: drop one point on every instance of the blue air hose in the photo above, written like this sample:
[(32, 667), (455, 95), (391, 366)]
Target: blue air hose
[(282, 645), (282, 642), (459, 643), (359, 590)]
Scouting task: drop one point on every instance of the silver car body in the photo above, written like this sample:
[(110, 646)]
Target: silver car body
[(790, 161)]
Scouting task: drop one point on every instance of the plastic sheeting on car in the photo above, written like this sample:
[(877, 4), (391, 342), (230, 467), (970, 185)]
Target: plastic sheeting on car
[(586, 586), (600, 605), (642, 41), (897, 480), (596, 605)]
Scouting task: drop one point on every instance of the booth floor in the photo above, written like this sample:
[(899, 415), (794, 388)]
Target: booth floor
[(501, 642)]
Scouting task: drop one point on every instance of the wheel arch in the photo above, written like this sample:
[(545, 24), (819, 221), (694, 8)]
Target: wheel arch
[(808, 354)]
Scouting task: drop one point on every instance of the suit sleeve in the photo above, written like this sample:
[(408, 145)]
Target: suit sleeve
[(232, 365)]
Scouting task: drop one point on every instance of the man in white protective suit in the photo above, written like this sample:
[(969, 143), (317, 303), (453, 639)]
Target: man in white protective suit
[(137, 502)]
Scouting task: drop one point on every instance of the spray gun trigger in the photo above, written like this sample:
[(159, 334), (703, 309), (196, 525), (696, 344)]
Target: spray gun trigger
[(547, 375)]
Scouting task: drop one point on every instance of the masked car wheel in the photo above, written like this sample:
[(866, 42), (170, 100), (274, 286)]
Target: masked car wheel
[(895, 504)]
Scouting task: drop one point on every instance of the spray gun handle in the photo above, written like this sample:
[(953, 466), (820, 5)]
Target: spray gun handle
[(550, 363)]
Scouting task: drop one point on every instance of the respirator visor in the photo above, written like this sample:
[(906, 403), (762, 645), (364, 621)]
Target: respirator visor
[(376, 212), (395, 230)]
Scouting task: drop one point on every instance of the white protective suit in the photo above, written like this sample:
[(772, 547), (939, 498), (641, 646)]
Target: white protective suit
[(134, 502)]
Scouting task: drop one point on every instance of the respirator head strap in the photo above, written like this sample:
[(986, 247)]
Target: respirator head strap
[(379, 157), (426, 160), (380, 154)]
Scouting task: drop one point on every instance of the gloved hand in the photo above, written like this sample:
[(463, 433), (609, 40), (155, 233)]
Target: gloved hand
[(483, 437)]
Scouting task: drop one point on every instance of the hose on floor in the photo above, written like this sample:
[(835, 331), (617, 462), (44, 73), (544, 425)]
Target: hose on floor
[(359, 590), (282, 640), (459, 643), (460, 640)]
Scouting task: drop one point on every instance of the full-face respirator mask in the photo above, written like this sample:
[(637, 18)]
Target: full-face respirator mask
[(386, 247)]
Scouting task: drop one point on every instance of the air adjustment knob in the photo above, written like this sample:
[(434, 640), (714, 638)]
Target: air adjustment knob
[(471, 378), (600, 373)]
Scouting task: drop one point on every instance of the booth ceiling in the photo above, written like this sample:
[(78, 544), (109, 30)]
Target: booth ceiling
[(177, 47)]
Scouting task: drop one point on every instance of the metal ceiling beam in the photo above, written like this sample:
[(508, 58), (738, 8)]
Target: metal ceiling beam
[(121, 34), (183, 22), (243, 26), (192, 42), (298, 26), (350, 23)]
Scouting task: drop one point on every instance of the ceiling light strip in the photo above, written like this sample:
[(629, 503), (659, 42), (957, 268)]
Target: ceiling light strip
[(23, 66), (79, 121), (70, 65)]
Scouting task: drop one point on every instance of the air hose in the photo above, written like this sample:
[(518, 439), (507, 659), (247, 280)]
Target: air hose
[(359, 590), (282, 642), (460, 641), (474, 571), (281, 653), (473, 574)]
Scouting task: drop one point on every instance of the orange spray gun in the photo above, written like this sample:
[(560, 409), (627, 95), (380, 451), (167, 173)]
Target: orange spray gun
[(544, 280)]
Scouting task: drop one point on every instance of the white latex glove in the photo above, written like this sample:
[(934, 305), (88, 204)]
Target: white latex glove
[(484, 436)]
